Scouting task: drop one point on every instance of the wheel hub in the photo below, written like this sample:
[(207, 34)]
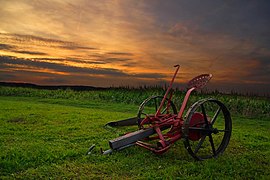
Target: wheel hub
[(196, 121)]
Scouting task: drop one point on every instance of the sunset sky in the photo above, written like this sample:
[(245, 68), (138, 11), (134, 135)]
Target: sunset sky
[(136, 42)]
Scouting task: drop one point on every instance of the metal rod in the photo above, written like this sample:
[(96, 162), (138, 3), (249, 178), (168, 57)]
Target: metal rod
[(168, 90)]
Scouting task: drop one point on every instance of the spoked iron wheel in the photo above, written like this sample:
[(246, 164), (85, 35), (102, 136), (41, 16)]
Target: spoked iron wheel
[(151, 105), (207, 129)]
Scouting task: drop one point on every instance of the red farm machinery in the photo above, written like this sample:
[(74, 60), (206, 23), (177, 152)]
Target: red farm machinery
[(205, 128)]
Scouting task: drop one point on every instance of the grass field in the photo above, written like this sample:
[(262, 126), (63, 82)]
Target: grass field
[(45, 134)]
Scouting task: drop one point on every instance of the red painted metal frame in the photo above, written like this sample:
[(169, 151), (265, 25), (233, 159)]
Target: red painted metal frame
[(167, 92), (162, 121)]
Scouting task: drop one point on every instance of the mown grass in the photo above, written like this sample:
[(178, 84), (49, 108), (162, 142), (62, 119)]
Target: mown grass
[(47, 136)]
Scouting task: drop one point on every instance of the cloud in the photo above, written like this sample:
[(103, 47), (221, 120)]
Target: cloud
[(31, 38), (34, 77), (130, 64), (85, 61), (35, 67), (20, 43), (149, 75), (76, 47), (8, 61), (7, 77), (48, 59), (31, 52), (13, 48), (259, 71), (120, 53), (113, 59), (6, 47), (60, 67), (19, 39)]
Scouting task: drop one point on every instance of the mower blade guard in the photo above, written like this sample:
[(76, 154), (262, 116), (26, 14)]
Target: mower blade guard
[(125, 122), (130, 138)]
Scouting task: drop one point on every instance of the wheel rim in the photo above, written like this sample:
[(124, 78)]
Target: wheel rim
[(150, 106), (213, 127)]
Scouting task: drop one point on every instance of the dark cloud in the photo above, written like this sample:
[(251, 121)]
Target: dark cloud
[(60, 67), (21, 73), (6, 77), (260, 72), (96, 62), (37, 40), (97, 55), (12, 48), (48, 59), (149, 75), (34, 77), (9, 61), (240, 19), (27, 38), (31, 52), (120, 53), (75, 60), (130, 64), (76, 47), (6, 47), (76, 79), (85, 61), (81, 60), (113, 59)]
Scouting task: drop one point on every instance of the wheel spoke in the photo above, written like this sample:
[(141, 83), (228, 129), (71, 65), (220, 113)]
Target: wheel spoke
[(207, 130), (224, 130), (200, 129), (199, 145), (204, 115), (163, 110), (212, 144), (215, 116)]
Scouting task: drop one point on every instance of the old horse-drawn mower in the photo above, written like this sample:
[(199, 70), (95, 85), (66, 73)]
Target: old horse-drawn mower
[(205, 129)]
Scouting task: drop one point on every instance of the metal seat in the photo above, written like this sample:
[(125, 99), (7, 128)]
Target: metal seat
[(199, 81)]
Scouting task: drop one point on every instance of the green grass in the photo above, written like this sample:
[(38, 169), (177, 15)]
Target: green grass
[(47, 136)]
